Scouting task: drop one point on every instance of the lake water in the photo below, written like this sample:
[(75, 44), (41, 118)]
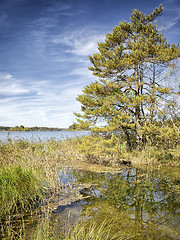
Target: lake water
[(40, 135), (139, 204)]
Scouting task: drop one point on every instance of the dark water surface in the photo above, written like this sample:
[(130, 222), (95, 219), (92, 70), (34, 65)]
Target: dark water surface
[(144, 203)]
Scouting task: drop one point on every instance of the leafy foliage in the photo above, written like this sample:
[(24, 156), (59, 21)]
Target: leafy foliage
[(134, 66)]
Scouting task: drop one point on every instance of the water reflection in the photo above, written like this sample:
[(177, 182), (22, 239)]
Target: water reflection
[(138, 204), (147, 200)]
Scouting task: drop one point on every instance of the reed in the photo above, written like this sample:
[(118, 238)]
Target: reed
[(20, 190), (93, 231), (29, 170), (29, 173), (82, 231)]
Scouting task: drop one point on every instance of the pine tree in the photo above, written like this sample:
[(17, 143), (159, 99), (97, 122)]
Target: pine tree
[(133, 65)]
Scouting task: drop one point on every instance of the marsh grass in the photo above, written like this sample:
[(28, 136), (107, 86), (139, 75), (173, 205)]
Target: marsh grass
[(104, 223), (104, 227), (106, 230), (92, 231), (27, 169), (10, 232), (108, 223), (20, 190), (45, 231), (29, 175)]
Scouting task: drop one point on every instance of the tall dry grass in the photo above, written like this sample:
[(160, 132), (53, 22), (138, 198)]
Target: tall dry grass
[(29, 177), (29, 170)]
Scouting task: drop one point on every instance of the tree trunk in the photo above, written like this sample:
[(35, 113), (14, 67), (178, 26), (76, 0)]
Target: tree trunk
[(152, 110), (137, 111), (128, 138)]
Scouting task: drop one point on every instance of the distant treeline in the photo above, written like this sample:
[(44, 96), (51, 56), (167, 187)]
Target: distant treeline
[(22, 128)]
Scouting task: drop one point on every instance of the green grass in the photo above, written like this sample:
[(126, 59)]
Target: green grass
[(92, 231), (29, 169), (116, 227), (82, 231), (19, 188)]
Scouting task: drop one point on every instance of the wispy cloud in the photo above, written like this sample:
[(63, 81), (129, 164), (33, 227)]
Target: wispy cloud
[(171, 15), (40, 103), (82, 42), (172, 23), (51, 22), (10, 86), (45, 102)]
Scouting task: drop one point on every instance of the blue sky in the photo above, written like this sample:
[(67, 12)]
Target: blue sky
[(44, 49)]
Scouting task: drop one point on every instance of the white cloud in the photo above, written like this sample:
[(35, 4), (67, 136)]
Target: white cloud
[(59, 7), (38, 103), (171, 23), (10, 86), (82, 42), (5, 76), (171, 14)]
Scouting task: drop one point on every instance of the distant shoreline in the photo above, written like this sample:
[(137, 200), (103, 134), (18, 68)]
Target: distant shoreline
[(28, 129)]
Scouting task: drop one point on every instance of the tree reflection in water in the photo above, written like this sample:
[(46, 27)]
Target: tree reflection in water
[(138, 201)]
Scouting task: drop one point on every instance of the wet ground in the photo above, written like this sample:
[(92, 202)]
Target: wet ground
[(141, 202)]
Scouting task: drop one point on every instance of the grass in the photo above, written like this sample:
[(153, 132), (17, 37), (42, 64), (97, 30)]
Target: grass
[(92, 231), (83, 231), (29, 168), (103, 226), (20, 190), (28, 173)]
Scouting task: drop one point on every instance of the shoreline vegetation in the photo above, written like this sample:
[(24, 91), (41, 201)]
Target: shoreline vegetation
[(29, 173), (25, 129)]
